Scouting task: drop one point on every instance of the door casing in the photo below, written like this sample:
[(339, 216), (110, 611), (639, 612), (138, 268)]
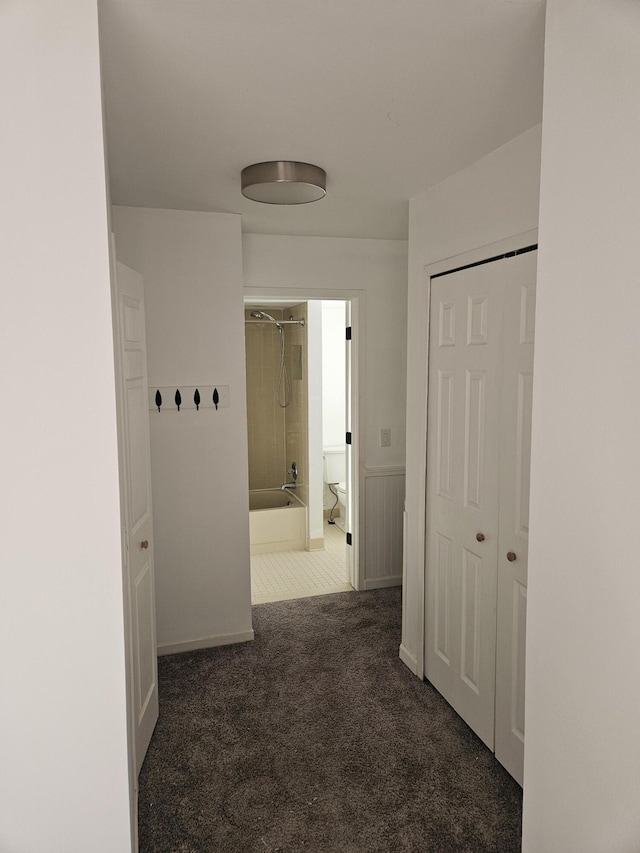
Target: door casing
[(356, 300)]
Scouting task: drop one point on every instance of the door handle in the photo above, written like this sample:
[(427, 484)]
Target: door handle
[(480, 537), (511, 555), (145, 544)]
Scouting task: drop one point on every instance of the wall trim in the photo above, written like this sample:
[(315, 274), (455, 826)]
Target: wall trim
[(316, 544), (384, 496), (382, 583), (205, 643), (408, 659), (385, 471)]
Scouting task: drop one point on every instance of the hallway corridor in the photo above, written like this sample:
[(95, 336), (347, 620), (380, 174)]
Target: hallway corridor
[(315, 737)]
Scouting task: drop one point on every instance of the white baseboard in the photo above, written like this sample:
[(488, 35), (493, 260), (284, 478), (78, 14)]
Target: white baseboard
[(277, 547), (205, 643), (384, 471), (381, 583), (408, 659), (315, 544)]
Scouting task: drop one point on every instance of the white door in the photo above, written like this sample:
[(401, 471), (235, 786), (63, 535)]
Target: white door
[(139, 588), (351, 473), (463, 491), (515, 432), (478, 453)]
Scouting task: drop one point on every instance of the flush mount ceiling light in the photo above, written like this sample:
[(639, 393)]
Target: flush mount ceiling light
[(284, 182)]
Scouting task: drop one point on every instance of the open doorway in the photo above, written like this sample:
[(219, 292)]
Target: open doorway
[(299, 412)]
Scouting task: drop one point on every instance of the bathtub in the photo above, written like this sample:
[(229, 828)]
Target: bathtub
[(277, 521)]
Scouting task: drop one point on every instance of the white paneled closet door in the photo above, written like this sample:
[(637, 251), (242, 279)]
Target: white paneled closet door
[(479, 418), (513, 542), (463, 491)]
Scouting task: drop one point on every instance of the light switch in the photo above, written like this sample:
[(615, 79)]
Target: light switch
[(385, 438)]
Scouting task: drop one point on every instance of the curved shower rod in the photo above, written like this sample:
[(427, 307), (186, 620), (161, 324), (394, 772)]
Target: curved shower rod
[(301, 322)]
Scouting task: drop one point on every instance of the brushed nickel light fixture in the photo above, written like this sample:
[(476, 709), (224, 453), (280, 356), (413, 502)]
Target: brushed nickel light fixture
[(284, 182)]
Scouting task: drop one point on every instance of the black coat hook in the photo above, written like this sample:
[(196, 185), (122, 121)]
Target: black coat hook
[(178, 399), (158, 399), (216, 398), (196, 400)]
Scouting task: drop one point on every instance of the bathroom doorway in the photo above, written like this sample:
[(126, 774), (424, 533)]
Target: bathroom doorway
[(300, 384)]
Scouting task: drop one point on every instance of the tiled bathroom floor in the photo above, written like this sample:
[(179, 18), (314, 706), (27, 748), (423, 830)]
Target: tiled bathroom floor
[(299, 574)]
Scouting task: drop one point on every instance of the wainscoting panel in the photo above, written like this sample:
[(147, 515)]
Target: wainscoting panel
[(383, 508)]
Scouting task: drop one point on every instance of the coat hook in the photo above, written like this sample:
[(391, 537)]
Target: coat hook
[(216, 398), (178, 399), (158, 399), (196, 400)]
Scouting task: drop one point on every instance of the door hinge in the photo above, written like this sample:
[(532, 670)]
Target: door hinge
[(348, 333), (349, 539), (348, 438)]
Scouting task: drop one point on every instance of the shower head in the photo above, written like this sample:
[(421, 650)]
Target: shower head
[(262, 315)]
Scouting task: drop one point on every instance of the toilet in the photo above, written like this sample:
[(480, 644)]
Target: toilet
[(335, 475)]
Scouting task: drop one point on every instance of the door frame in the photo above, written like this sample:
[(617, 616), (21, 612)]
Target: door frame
[(356, 416), (421, 401)]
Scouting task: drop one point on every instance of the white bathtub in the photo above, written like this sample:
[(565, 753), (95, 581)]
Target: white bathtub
[(277, 521)]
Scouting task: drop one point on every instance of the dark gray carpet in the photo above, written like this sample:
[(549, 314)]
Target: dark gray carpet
[(315, 737)]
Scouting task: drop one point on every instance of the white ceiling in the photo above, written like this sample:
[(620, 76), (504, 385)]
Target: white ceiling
[(389, 96)]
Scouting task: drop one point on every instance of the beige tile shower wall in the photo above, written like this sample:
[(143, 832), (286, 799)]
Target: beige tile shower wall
[(266, 420), (296, 414)]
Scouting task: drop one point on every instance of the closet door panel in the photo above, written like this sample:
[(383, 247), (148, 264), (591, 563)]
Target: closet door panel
[(443, 473), (462, 491), (515, 427)]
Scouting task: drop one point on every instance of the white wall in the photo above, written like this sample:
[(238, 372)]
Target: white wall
[(378, 268), (495, 198), (582, 756), (63, 717), (192, 268)]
